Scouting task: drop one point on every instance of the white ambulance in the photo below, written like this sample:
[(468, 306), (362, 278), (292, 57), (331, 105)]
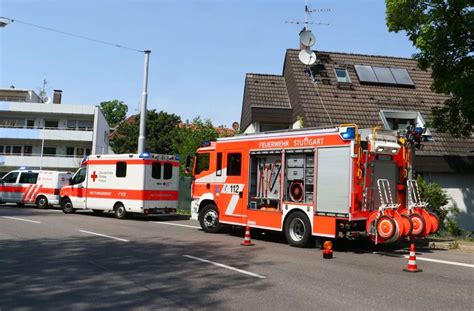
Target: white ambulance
[(125, 184), (37, 187)]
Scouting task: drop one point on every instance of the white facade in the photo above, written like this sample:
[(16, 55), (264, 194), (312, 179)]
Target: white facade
[(67, 133)]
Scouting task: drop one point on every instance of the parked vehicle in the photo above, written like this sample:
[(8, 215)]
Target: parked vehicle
[(125, 184), (39, 187), (329, 183)]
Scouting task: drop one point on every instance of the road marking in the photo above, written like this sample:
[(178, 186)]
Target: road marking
[(103, 235), (226, 267), (22, 219), (454, 263), (173, 224)]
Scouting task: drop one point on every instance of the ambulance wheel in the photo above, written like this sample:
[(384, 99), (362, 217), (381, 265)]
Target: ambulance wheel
[(67, 207), (298, 229), (209, 219), (41, 202), (97, 212), (120, 212)]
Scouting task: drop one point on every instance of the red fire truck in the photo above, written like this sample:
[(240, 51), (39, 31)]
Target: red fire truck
[(331, 183)]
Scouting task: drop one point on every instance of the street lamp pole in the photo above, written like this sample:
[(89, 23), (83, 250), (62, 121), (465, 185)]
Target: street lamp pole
[(143, 112)]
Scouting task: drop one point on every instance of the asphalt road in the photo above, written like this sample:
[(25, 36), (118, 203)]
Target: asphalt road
[(53, 261)]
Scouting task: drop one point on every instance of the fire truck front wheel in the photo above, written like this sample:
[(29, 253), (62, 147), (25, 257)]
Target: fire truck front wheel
[(298, 229), (209, 219), (67, 207)]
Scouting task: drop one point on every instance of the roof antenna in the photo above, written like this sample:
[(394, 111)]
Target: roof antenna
[(307, 17), (42, 92), (306, 55)]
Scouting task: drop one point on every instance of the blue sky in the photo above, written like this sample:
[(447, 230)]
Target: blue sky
[(201, 50)]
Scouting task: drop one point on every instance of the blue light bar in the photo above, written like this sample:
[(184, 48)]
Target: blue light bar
[(177, 157), (348, 134), (22, 168), (205, 144), (145, 155)]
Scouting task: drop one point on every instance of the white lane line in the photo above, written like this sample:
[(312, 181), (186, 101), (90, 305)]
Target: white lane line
[(226, 267), (174, 224), (22, 219), (103, 235), (454, 263)]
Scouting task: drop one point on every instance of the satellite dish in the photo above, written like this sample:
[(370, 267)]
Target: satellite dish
[(46, 100), (235, 126), (307, 56), (307, 38)]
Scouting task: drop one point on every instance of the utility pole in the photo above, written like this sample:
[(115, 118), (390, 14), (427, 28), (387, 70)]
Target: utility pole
[(143, 112)]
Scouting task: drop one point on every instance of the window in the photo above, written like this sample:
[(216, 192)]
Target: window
[(10, 178), (51, 124), (80, 152), (49, 150), (156, 170), (273, 127), (69, 151), (71, 124), (17, 150), (88, 151), (27, 150), (30, 123), (401, 120), (167, 171), (8, 149), (202, 162), (28, 178), (219, 164), (121, 169), (84, 125), (1, 149), (383, 75), (79, 177), (234, 164), (342, 75)]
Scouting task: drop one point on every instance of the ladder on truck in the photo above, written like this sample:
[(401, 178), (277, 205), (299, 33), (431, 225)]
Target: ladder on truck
[(414, 198), (386, 199)]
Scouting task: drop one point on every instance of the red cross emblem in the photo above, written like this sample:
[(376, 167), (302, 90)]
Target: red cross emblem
[(94, 176)]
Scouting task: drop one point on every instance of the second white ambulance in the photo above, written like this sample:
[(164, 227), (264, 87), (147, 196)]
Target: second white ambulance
[(125, 184)]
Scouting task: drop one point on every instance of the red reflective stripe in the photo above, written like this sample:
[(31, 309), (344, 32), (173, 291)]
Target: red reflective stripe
[(150, 195), (26, 192), (130, 162)]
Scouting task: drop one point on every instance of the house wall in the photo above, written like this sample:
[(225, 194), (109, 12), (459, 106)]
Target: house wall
[(100, 142), (460, 188)]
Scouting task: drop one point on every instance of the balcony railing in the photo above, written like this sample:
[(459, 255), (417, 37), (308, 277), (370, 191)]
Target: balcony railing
[(44, 155), (89, 129)]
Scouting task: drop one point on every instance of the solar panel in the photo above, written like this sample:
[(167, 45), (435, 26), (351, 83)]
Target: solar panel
[(365, 73), (402, 76), (384, 75)]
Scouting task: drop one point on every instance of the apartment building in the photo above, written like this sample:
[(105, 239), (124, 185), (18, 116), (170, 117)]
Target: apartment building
[(38, 132)]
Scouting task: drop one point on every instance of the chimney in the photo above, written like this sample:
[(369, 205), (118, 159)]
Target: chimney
[(57, 96)]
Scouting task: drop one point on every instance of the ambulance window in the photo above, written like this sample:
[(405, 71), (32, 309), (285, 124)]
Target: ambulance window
[(79, 177), (234, 164), (10, 178), (28, 178), (202, 162), (121, 169), (219, 164), (156, 170), (167, 171)]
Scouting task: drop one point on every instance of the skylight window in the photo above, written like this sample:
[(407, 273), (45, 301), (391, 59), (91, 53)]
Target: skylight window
[(342, 75)]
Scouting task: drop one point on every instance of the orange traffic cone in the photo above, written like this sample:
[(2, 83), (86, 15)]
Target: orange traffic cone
[(412, 267), (247, 241)]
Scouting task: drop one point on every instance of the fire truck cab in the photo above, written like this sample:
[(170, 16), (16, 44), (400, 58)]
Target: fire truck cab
[(340, 182), (125, 184)]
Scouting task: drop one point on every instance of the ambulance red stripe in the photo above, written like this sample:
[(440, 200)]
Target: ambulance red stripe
[(148, 195), (129, 162)]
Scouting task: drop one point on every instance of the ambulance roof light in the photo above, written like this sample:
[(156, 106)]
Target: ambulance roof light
[(22, 168), (144, 155), (177, 157), (347, 133)]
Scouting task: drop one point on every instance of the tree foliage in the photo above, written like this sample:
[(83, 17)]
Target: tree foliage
[(114, 111), (160, 129), (442, 31), (188, 138)]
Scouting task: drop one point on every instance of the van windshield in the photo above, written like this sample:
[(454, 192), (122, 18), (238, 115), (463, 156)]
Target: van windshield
[(202, 163)]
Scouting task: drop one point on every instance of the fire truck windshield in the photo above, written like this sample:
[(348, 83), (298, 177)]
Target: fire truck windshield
[(202, 163)]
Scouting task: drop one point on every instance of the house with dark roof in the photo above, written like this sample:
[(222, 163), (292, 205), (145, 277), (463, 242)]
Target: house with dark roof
[(368, 90)]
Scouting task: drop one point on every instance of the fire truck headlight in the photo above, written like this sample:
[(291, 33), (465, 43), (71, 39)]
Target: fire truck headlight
[(380, 149), (394, 151)]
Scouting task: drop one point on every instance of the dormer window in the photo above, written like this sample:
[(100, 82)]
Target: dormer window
[(342, 75), (400, 120)]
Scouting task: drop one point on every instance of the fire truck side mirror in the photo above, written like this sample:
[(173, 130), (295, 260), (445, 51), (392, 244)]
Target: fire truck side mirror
[(187, 170)]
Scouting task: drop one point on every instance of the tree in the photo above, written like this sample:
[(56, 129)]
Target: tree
[(442, 31), (188, 138), (114, 111), (160, 129)]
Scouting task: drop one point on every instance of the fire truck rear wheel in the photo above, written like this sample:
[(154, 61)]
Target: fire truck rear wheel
[(41, 202), (209, 219), (298, 229), (67, 206), (120, 212)]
